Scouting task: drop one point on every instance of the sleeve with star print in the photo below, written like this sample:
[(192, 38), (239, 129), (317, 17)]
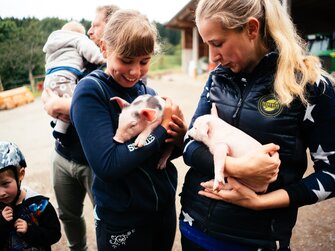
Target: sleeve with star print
[(319, 128)]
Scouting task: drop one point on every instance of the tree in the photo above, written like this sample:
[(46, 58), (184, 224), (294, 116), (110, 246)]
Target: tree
[(169, 35), (22, 41), (32, 41), (21, 51)]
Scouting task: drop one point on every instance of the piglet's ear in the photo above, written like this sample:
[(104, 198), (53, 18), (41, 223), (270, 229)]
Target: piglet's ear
[(214, 110), (148, 114), (121, 102)]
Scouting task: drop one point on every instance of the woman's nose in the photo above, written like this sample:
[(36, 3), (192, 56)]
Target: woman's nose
[(214, 55)]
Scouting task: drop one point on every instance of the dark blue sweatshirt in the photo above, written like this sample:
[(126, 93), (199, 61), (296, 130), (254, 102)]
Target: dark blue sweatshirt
[(128, 188)]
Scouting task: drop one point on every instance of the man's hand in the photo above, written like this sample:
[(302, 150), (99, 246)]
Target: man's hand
[(56, 106)]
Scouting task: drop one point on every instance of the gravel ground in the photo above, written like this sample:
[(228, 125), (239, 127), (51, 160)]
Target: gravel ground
[(28, 126)]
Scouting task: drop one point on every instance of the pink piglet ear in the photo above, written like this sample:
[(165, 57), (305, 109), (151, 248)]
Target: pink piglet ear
[(148, 114), (214, 110), (121, 102)]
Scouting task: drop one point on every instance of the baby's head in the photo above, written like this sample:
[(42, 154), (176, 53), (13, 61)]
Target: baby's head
[(74, 26), (12, 170)]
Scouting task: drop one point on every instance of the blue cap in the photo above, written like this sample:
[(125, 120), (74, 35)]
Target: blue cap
[(10, 155)]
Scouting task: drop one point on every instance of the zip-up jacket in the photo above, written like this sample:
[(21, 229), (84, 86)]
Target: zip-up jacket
[(71, 49), (128, 188), (43, 225), (247, 102)]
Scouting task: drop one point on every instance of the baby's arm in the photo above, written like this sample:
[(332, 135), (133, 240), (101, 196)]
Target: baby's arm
[(90, 51)]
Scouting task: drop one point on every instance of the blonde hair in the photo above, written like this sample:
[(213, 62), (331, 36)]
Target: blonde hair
[(74, 26), (295, 68), (107, 11), (129, 33)]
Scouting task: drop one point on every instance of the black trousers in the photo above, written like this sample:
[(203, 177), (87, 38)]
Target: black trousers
[(155, 236)]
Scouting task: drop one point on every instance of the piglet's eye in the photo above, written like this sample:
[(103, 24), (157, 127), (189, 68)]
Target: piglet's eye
[(133, 124)]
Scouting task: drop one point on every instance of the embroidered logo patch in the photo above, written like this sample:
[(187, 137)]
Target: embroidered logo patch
[(149, 140), (269, 106), (119, 240)]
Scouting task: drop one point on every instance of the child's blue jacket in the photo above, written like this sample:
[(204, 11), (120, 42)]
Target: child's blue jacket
[(128, 188)]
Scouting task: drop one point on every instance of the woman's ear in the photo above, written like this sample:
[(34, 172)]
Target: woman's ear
[(253, 27)]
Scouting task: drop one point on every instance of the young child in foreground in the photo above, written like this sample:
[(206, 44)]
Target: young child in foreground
[(28, 221), (67, 52)]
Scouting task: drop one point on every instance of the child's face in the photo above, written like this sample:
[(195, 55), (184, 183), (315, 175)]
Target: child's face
[(126, 71), (8, 187)]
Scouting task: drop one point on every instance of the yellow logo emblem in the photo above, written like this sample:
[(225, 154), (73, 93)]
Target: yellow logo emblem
[(269, 106)]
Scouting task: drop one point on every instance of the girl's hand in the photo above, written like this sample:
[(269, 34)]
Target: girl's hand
[(177, 127), (21, 226), (7, 213), (258, 167), (167, 116)]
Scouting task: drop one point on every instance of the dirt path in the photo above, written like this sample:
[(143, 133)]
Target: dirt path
[(28, 126)]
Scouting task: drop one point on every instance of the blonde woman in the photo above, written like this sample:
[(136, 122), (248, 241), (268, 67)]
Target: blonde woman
[(135, 201), (267, 86)]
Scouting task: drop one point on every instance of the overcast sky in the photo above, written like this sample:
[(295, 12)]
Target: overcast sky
[(159, 10)]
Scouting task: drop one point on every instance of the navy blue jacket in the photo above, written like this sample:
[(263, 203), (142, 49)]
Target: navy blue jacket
[(43, 225), (247, 101), (128, 188)]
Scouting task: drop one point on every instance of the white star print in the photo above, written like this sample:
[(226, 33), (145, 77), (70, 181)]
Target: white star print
[(321, 79), (320, 154), (330, 174), (321, 193), (207, 94), (308, 113), (188, 218)]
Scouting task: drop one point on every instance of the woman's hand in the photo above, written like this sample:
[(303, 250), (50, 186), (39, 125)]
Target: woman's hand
[(259, 167), (56, 106), (236, 193), (240, 195)]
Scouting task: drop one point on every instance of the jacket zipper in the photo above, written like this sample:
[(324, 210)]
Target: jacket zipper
[(242, 95), (168, 178), (239, 104), (153, 187)]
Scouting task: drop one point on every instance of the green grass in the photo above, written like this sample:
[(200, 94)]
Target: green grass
[(161, 63)]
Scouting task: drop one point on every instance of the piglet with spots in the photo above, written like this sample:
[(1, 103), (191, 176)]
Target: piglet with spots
[(140, 118)]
